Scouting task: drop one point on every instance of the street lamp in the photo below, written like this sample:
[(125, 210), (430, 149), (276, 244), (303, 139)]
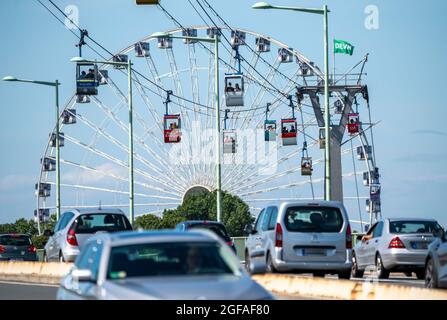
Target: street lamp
[(327, 118), (128, 65), (214, 40), (56, 85)]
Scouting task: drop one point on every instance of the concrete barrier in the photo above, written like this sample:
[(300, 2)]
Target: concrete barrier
[(36, 272), (344, 289)]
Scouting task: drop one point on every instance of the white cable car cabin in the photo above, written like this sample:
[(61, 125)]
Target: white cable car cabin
[(172, 128), (234, 90), (80, 98), (48, 164), (189, 32), (289, 132), (69, 116), (338, 105), (322, 138), (44, 215), (120, 58), (373, 206), (371, 177), (43, 190), (270, 130), (229, 141), (165, 43), (213, 31), (285, 55), (142, 49), (262, 45), (237, 38), (305, 70), (374, 193), (364, 152), (103, 76), (86, 79), (53, 140), (306, 166), (353, 123)]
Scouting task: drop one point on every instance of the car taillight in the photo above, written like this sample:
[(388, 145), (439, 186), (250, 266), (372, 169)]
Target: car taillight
[(348, 238), (278, 236), (230, 243), (32, 249), (71, 237), (396, 243), (2, 249)]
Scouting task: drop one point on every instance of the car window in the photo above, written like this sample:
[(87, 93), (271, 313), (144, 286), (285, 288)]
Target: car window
[(313, 219), (370, 231), (90, 258), (218, 229), (273, 218), (408, 227), (266, 219), (65, 220), (258, 222), (108, 222), (15, 240), (378, 230)]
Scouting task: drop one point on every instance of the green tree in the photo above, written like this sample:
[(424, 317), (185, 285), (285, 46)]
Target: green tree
[(148, 222)]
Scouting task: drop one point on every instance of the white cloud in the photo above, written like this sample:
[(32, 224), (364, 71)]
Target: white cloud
[(16, 181), (88, 177)]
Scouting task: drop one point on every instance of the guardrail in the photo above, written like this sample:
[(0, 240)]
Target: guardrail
[(35, 272)]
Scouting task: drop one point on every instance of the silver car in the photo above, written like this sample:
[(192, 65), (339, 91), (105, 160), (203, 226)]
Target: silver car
[(436, 262), (169, 265), (392, 245), (301, 237), (76, 226)]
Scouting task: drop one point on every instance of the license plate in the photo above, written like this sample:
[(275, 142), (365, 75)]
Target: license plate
[(419, 245), (16, 259)]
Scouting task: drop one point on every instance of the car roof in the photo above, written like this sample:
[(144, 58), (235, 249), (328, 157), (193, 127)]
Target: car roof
[(412, 219), (201, 222), (96, 210), (306, 203), (15, 234)]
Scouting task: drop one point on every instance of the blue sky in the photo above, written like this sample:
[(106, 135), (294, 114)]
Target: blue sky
[(405, 76)]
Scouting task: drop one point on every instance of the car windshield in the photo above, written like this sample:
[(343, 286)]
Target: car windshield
[(171, 259), (407, 227), (216, 228), (313, 219), (92, 223), (13, 240)]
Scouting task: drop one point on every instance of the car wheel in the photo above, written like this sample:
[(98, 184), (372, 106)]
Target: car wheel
[(61, 257), (355, 272), (318, 274), (430, 275), (382, 273), (247, 262), (270, 266), (420, 274), (345, 275)]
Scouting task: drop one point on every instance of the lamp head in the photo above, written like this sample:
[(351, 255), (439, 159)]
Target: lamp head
[(78, 59), (9, 78), (262, 5), (160, 35)]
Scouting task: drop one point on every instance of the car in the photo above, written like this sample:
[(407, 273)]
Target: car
[(214, 226), (76, 226), (297, 236), (167, 264), (17, 247), (394, 245), (436, 262)]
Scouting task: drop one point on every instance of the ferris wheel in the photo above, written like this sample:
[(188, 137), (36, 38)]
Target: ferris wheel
[(272, 137)]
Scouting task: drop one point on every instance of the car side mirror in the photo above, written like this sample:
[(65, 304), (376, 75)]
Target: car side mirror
[(248, 229), (440, 233), (82, 275), (48, 233)]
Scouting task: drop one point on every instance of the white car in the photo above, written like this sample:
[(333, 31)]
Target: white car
[(436, 262)]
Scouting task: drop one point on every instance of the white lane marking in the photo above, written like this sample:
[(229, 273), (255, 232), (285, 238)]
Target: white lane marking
[(30, 284)]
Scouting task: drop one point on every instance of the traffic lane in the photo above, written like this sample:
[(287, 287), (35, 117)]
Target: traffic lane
[(10, 290)]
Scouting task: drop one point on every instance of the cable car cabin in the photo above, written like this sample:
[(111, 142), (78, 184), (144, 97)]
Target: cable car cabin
[(53, 140), (229, 142), (213, 31), (43, 190), (80, 98), (306, 166), (189, 32), (234, 90), (373, 206), (86, 79), (285, 55), (48, 164), (353, 123), (338, 106), (289, 132), (69, 116), (120, 58), (305, 70), (103, 76), (172, 128), (165, 43), (237, 38), (262, 45), (270, 130), (364, 153), (44, 215), (374, 175), (142, 49), (322, 138), (374, 193)]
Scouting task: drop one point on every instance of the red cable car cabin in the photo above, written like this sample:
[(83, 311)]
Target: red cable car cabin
[(172, 128), (289, 132), (353, 123)]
